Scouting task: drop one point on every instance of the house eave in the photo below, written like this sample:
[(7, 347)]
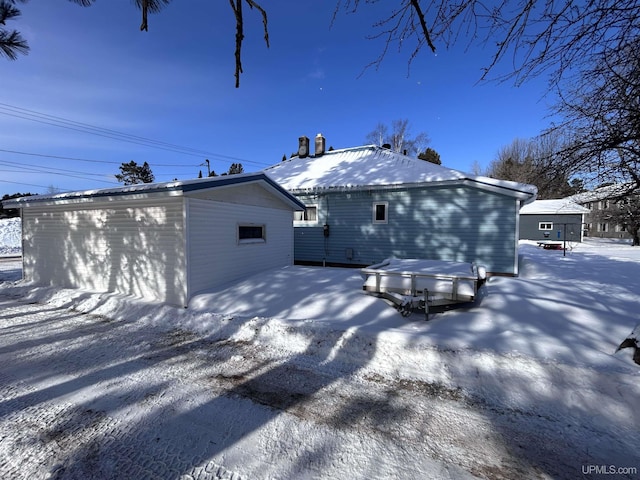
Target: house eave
[(158, 190), (513, 192)]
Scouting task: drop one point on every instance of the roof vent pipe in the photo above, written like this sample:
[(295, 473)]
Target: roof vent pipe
[(320, 144), (303, 147)]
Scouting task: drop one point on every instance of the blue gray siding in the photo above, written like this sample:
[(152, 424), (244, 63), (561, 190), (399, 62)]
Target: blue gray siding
[(446, 223), (530, 227)]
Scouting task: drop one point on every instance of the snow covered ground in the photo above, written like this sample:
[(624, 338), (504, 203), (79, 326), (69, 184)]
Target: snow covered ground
[(10, 241), (295, 373)]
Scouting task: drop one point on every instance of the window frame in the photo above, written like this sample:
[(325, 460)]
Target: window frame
[(385, 220), (305, 221), (252, 239), (546, 226)]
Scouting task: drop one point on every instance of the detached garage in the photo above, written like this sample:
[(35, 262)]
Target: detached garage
[(161, 241), (553, 221)]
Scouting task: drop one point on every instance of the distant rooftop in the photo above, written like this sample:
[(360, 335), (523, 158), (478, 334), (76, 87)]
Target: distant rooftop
[(608, 191), (560, 206)]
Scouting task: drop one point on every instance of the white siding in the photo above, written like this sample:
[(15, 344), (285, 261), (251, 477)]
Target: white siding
[(134, 248), (216, 257), (246, 194)]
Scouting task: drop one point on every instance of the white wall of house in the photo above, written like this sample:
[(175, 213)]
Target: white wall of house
[(135, 247), (215, 253)]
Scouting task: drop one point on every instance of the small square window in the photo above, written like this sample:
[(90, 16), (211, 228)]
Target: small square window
[(310, 215), (545, 226), (380, 212), (250, 233)]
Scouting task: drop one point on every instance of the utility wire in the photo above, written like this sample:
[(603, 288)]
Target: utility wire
[(60, 171), (31, 115), (95, 161), (21, 183)]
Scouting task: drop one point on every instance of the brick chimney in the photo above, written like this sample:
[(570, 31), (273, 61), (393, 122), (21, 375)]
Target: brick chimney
[(303, 147), (320, 145)]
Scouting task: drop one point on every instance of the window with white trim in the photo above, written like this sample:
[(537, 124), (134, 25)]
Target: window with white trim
[(380, 212), (309, 215), (545, 226), (251, 233)]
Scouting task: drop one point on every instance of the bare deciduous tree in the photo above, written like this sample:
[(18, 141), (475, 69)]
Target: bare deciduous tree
[(535, 162), (553, 37), (399, 138), (602, 112)]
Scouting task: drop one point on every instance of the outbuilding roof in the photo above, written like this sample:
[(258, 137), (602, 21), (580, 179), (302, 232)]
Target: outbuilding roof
[(176, 188), (371, 166), (548, 207)]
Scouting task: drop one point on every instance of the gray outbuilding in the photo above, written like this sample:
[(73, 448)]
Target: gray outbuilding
[(552, 221), (368, 203), (160, 241)]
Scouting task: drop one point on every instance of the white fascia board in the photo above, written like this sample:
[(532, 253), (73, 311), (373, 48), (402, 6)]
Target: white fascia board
[(88, 200)]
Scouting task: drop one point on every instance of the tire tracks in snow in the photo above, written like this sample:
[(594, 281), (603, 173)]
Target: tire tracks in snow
[(81, 395)]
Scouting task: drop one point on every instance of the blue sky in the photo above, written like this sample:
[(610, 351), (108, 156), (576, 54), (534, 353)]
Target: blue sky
[(175, 85)]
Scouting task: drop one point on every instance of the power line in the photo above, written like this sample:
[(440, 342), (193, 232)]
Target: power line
[(21, 183), (94, 161), (32, 115), (55, 171)]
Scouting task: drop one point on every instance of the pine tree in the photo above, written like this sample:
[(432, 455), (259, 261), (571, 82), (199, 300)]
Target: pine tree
[(131, 173), (235, 168), (430, 155)]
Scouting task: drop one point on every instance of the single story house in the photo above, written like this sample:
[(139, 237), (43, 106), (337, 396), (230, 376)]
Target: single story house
[(368, 203), (552, 220), (161, 241)]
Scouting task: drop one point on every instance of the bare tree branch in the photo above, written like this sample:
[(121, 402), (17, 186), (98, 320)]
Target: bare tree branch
[(236, 6)]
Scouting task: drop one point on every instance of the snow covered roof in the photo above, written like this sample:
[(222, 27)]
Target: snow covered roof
[(175, 188), (561, 206), (371, 166), (608, 191)]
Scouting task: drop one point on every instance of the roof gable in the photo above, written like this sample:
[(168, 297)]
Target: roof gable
[(372, 166)]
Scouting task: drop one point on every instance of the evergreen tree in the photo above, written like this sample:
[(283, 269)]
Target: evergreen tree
[(11, 42), (430, 155), (131, 173), (11, 212), (235, 168)]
